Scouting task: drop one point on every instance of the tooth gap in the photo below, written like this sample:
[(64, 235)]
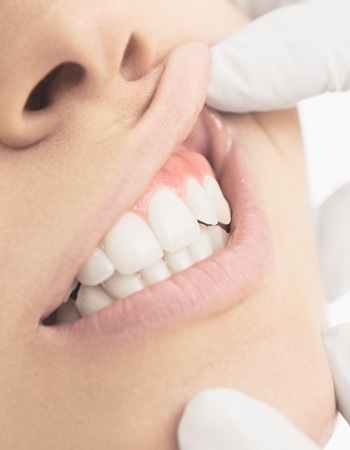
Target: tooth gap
[(203, 223), (74, 293), (227, 228), (50, 320)]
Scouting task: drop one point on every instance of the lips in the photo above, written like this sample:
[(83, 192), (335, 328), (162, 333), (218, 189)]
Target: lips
[(180, 220), (210, 286)]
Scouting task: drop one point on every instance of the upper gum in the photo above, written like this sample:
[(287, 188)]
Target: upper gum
[(182, 165)]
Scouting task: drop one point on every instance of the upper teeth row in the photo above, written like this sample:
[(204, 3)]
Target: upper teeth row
[(135, 253)]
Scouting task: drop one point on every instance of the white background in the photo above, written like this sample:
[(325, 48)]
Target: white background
[(326, 129)]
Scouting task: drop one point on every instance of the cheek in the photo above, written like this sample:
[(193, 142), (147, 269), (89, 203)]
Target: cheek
[(279, 170)]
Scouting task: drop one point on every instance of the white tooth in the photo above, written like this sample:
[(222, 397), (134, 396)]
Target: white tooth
[(131, 245), (155, 273), (67, 312), (203, 247), (91, 299), (219, 237), (198, 201), (179, 260), (121, 286), (96, 269), (222, 208), (171, 220)]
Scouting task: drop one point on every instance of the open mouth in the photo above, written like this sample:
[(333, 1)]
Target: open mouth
[(179, 249), (181, 219), (195, 243)]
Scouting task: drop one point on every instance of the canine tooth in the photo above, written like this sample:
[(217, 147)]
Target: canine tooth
[(67, 312), (91, 299), (96, 269), (178, 260), (171, 220), (131, 245), (222, 208), (121, 286), (219, 237), (198, 201), (155, 273), (203, 246)]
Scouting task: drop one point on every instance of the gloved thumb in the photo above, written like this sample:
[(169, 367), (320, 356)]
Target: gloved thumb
[(287, 55), (225, 419)]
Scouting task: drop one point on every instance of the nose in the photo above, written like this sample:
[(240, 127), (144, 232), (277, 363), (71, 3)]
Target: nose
[(62, 55)]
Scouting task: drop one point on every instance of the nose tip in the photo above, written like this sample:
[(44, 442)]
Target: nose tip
[(61, 58)]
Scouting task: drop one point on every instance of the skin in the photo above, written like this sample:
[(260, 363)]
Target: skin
[(59, 164)]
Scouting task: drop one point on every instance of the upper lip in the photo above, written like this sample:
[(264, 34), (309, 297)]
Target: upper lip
[(211, 286)]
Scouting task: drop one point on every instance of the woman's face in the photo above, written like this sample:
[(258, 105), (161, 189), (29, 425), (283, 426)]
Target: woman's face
[(77, 150)]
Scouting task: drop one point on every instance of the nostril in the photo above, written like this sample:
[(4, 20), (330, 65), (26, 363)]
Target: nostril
[(39, 98), (137, 59), (61, 78)]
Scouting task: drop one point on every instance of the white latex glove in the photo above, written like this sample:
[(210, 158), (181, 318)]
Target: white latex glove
[(256, 8), (289, 54), (225, 419), (333, 225)]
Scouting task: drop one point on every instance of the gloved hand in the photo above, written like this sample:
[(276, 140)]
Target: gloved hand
[(287, 55), (256, 8), (333, 225), (225, 419)]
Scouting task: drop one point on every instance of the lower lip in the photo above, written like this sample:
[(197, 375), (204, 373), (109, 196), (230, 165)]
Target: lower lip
[(209, 287)]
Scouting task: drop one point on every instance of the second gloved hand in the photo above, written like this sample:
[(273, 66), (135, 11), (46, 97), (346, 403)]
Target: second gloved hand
[(287, 55), (225, 419)]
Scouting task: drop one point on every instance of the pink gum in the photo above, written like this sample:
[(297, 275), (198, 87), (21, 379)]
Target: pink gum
[(182, 165)]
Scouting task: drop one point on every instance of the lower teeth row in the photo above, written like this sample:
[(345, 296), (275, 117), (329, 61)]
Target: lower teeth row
[(93, 298)]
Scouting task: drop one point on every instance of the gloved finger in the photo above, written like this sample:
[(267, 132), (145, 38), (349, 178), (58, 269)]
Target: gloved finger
[(337, 342), (333, 225), (256, 8), (226, 419), (287, 55)]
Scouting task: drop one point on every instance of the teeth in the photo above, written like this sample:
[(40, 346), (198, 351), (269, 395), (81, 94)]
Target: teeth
[(131, 245), (219, 237), (171, 220), (198, 201), (136, 254), (202, 247), (96, 269), (179, 260), (155, 273), (222, 208), (120, 286), (91, 299)]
